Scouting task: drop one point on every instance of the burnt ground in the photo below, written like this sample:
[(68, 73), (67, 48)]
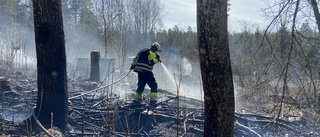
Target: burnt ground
[(97, 115)]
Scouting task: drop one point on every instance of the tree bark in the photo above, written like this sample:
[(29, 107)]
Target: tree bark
[(316, 12), (215, 68), (317, 16), (51, 63)]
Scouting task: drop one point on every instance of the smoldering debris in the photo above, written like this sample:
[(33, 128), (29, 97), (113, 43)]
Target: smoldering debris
[(102, 113)]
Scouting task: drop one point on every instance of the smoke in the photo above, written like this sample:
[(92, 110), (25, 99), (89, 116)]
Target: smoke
[(186, 66), (185, 74), (79, 44), (17, 48)]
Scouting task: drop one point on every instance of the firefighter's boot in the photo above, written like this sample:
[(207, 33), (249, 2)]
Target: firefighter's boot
[(153, 96), (137, 97)]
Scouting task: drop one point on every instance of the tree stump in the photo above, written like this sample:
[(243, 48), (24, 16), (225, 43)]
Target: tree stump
[(4, 85), (95, 70)]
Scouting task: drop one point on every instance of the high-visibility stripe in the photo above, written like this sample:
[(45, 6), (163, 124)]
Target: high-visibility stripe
[(139, 69), (144, 65)]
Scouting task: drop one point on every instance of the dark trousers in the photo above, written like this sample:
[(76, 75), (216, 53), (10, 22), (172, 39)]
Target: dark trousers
[(146, 78)]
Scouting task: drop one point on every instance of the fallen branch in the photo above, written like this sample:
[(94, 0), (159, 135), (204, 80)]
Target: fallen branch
[(247, 129)]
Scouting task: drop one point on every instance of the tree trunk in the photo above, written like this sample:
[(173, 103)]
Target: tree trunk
[(317, 16), (215, 68), (316, 12), (51, 63), (95, 69)]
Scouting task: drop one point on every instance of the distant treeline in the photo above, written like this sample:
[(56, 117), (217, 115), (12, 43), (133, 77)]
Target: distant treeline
[(127, 26)]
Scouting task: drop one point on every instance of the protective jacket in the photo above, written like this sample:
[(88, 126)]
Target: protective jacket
[(144, 61)]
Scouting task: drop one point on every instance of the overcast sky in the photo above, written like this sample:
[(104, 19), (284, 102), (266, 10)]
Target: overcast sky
[(183, 14)]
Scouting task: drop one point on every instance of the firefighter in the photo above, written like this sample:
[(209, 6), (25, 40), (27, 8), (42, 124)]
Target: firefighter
[(143, 65)]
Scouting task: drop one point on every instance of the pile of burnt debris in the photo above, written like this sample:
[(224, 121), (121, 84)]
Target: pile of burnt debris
[(109, 115), (95, 114)]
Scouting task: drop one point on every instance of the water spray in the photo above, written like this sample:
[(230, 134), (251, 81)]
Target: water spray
[(167, 71), (170, 75)]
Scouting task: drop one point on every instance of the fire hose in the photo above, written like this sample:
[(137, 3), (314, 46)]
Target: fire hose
[(46, 131), (88, 92), (104, 86)]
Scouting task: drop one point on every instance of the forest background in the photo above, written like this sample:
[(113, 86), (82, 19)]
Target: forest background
[(277, 60)]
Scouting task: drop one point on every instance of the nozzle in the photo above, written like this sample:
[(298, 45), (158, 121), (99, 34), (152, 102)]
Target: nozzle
[(160, 61)]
